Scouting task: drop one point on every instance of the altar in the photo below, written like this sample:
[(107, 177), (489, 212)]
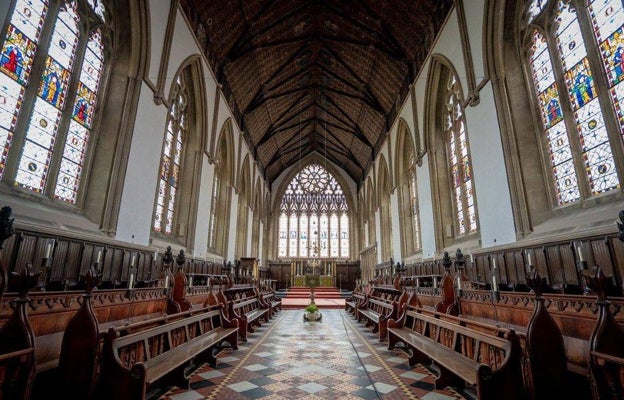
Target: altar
[(324, 281), (324, 269)]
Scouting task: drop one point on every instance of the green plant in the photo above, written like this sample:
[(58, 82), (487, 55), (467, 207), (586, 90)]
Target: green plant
[(311, 308)]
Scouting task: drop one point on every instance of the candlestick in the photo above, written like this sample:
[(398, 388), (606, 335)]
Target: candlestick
[(435, 282), (580, 253), (99, 256), (166, 281), (529, 258), (191, 281), (458, 282), (133, 260), (131, 281), (48, 250)]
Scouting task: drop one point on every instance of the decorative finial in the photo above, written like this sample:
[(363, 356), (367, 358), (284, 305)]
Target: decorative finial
[(168, 256), (25, 280), (597, 282), (92, 278), (446, 261), (6, 225), (181, 258), (535, 282)]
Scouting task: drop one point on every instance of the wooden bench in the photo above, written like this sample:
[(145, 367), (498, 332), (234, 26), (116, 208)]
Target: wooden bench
[(352, 302), (606, 348), (274, 303), (377, 312), (463, 355), (136, 363), (249, 312)]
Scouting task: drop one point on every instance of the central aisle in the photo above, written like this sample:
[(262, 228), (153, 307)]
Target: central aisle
[(292, 359)]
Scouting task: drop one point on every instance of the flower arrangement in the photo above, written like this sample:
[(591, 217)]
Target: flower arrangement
[(311, 308)]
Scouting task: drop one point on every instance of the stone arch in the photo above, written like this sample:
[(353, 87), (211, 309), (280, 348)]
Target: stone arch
[(405, 166), (384, 186), (244, 203)]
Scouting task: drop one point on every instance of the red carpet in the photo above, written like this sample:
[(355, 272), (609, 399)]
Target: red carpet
[(299, 297)]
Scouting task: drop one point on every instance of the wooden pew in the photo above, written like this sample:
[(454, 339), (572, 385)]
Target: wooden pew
[(274, 303), (134, 364), (377, 312), (17, 343), (248, 312), (606, 345), (463, 355), (352, 302)]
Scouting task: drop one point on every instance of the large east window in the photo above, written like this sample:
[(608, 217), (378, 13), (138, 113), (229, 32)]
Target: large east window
[(51, 65), (575, 48), (314, 216)]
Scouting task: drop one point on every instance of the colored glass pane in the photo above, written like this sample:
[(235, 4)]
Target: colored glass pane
[(535, 8), (213, 213), (607, 18), (17, 55), (170, 160), (414, 210), (98, 7), (459, 160), (344, 236), (303, 236), (292, 235), (282, 246), (590, 126)]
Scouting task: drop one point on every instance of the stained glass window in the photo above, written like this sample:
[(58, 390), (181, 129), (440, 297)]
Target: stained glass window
[(414, 207), (314, 216), (584, 127), (72, 163), (169, 175), (607, 18), (536, 7), (53, 137), (459, 162), (213, 213)]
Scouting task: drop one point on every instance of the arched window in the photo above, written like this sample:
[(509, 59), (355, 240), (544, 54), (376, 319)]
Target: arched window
[(576, 47), (51, 64), (213, 213), (415, 213), (171, 159), (458, 156), (314, 216)]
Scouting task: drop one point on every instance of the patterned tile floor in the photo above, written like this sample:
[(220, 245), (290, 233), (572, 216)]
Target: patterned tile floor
[(288, 358)]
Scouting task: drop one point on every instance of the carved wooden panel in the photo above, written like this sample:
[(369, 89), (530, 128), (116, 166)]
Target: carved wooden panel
[(88, 258), (26, 248), (116, 270), (72, 262), (107, 265), (553, 261), (601, 256), (8, 252), (618, 255), (568, 261), (541, 264), (58, 261)]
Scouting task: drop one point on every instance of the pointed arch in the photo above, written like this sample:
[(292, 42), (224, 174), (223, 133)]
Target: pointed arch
[(384, 186), (222, 190), (313, 211), (371, 200), (406, 165), (258, 217), (244, 203), (175, 203), (447, 140)]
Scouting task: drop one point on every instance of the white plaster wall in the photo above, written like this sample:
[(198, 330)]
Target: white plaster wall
[(396, 235), (450, 46), (378, 234), (159, 14), (474, 10), (250, 217), (231, 239), (261, 244), (203, 208), (179, 53), (490, 177), (137, 199), (425, 205)]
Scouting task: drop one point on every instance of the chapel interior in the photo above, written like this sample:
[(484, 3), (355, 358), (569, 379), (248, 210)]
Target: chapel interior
[(287, 199)]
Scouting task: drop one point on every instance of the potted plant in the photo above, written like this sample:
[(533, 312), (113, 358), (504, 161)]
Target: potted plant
[(312, 313)]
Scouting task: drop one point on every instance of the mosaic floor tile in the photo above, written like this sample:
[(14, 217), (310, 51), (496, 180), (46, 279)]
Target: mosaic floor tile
[(288, 358)]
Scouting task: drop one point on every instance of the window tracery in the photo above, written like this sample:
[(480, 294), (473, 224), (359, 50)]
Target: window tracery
[(314, 216)]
